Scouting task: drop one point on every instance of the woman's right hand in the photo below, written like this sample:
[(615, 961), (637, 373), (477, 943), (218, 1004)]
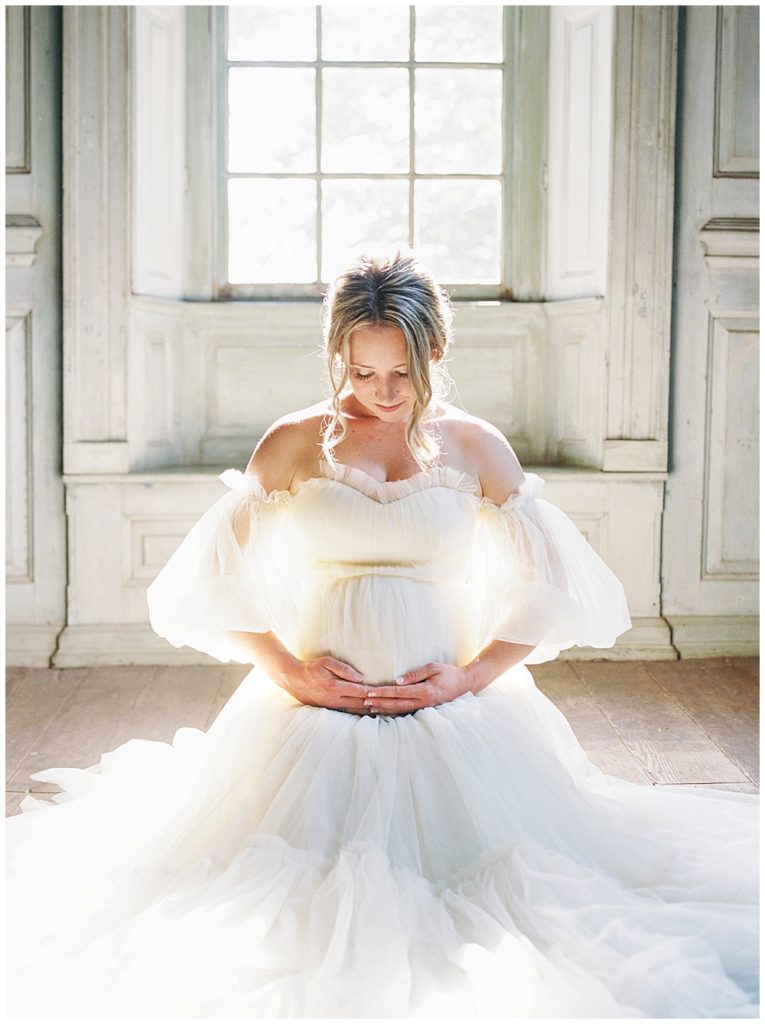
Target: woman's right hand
[(322, 682), (326, 682)]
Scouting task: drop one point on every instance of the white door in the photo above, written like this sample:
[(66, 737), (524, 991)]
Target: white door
[(710, 538)]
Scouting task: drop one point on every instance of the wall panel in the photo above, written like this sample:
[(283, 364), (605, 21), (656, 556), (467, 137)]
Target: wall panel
[(581, 40), (737, 125), (18, 129), (19, 539), (158, 160), (730, 531)]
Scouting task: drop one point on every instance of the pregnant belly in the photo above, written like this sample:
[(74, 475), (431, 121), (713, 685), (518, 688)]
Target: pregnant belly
[(387, 625)]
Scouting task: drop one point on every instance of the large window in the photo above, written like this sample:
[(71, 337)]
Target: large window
[(347, 128)]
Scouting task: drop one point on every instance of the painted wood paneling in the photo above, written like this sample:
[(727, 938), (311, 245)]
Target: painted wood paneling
[(96, 236), (710, 593), (18, 447), (158, 153), (35, 527), (207, 379), (640, 260), (576, 381), (737, 80), (18, 129), (155, 385), (123, 528), (730, 531), (579, 132)]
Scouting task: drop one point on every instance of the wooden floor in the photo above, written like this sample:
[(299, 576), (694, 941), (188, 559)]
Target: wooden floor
[(692, 723)]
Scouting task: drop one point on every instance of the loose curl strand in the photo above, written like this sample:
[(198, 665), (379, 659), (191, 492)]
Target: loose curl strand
[(396, 291)]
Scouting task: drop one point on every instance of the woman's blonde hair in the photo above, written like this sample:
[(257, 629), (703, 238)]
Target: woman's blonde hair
[(394, 291)]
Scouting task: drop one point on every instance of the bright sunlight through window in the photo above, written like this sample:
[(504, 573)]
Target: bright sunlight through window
[(354, 128)]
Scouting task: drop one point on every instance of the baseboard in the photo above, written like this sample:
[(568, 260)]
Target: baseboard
[(649, 639), (30, 646), (121, 645), (711, 636)]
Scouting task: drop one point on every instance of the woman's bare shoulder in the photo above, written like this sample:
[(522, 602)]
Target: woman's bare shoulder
[(485, 449), (289, 444)]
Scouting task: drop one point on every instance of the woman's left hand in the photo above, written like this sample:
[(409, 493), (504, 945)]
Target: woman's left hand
[(434, 683)]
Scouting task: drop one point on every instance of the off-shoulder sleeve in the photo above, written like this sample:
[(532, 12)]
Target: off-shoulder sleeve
[(229, 573), (543, 583)]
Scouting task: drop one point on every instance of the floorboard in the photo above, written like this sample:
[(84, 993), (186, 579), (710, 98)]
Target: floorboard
[(690, 722)]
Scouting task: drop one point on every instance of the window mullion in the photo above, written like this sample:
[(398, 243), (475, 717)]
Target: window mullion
[(435, 194)]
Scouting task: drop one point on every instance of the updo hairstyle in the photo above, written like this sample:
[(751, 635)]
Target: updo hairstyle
[(396, 291)]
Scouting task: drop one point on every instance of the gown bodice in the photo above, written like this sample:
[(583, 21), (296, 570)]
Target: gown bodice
[(420, 530), (427, 557)]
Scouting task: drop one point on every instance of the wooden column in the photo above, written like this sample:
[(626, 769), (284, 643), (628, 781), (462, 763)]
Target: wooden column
[(96, 237), (640, 265)]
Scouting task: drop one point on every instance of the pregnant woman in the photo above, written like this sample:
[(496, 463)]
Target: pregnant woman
[(387, 818)]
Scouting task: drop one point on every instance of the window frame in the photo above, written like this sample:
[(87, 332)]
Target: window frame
[(222, 289)]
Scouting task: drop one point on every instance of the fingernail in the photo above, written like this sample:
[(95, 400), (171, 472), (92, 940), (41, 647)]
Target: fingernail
[(398, 680), (371, 694), (367, 703)]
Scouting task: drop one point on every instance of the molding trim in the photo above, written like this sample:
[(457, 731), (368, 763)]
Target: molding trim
[(193, 474), (22, 233), (709, 636), (30, 646), (732, 242), (650, 639), (18, 97), (96, 457), (635, 455), (137, 644), (79, 646)]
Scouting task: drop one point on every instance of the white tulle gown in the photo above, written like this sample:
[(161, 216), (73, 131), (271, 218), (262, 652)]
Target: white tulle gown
[(465, 860)]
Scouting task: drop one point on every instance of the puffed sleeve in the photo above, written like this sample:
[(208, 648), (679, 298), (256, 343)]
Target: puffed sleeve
[(230, 572), (542, 583)]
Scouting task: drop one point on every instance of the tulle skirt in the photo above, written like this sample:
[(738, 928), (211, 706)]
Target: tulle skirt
[(466, 860)]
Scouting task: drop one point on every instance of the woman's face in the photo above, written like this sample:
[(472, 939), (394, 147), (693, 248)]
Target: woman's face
[(378, 372)]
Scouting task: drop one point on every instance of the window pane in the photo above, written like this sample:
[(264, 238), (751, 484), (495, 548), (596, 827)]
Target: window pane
[(359, 216), (272, 119), (447, 33), (271, 33), (272, 231), (365, 33), (458, 121), (458, 229), (365, 120)]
